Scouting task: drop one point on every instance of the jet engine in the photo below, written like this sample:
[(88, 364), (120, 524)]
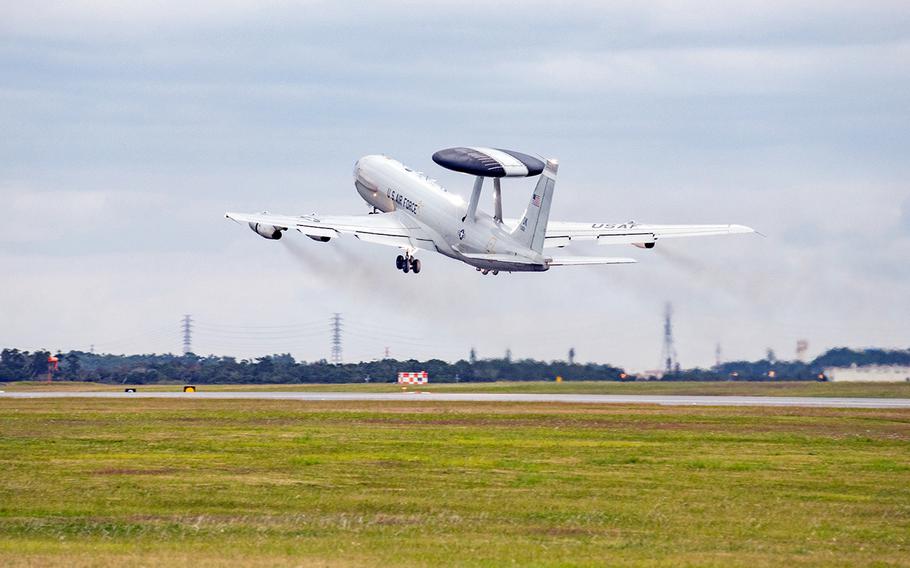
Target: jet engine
[(644, 245), (266, 231)]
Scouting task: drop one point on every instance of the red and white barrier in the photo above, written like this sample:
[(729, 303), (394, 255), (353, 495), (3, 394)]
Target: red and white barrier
[(419, 378)]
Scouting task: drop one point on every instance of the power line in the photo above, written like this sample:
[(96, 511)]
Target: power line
[(380, 338), (157, 333), (268, 336), (260, 328)]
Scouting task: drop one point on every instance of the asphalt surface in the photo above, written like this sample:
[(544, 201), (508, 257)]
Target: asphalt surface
[(417, 396)]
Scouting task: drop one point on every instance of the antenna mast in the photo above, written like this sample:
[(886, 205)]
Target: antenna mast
[(668, 355), (336, 338), (187, 334)]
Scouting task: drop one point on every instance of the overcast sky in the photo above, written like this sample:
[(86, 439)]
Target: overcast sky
[(128, 131)]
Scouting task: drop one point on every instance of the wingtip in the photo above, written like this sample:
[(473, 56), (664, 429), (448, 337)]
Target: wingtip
[(745, 229)]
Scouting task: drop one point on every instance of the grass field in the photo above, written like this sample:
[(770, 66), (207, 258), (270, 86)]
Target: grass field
[(775, 388), (222, 482)]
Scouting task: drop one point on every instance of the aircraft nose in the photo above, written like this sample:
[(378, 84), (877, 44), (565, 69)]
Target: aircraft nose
[(365, 178), (365, 167), (362, 165)]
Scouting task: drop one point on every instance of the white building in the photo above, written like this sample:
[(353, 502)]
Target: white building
[(868, 373)]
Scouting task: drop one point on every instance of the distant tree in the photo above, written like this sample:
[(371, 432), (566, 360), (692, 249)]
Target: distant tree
[(282, 368), (70, 366), (844, 357), (39, 364), (14, 365)]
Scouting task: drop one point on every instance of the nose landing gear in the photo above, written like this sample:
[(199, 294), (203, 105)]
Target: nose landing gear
[(407, 264)]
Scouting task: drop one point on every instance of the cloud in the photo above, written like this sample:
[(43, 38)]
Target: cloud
[(130, 128), (711, 71), (625, 21)]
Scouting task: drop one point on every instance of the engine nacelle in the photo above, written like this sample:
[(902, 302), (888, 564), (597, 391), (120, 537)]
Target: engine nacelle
[(266, 231), (321, 239), (644, 245)]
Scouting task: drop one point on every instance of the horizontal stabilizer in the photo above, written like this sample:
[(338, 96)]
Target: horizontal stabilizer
[(588, 260)]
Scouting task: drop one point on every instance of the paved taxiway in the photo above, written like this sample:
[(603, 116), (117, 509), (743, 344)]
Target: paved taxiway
[(662, 400)]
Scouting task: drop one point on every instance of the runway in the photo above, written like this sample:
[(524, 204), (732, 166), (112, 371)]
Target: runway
[(412, 396)]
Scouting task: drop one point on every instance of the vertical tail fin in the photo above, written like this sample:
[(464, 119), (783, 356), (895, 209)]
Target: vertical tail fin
[(532, 228)]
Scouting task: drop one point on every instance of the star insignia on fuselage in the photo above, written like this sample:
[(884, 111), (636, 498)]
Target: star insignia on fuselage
[(461, 235)]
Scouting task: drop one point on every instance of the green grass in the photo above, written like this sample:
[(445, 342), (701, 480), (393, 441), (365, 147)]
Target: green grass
[(775, 388), (210, 482)]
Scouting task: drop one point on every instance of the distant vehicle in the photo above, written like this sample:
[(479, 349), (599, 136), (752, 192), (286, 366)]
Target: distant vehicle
[(414, 213)]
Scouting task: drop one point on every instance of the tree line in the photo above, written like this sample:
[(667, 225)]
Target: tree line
[(282, 368), (17, 365)]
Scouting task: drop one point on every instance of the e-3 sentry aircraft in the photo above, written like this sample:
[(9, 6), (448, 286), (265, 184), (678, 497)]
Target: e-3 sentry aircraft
[(414, 213)]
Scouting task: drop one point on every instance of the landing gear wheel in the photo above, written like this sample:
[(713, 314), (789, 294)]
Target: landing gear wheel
[(399, 262), (406, 267), (415, 265), (495, 273)]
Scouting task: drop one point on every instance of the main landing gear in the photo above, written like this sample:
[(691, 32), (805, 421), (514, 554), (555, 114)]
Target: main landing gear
[(407, 264), (486, 271)]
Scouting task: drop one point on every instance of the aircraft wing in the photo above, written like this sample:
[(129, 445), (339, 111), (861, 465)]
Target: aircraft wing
[(561, 234), (588, 260), (558, 261), (502, 258), (391, 229)]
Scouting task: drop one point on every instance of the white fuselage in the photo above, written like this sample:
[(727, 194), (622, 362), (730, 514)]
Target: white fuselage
[(388, 185)]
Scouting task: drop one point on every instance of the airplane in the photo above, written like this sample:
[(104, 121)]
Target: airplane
[(415, 213)]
